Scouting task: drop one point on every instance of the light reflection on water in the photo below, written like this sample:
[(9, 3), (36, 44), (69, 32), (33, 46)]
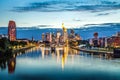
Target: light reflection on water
[(60, 64)]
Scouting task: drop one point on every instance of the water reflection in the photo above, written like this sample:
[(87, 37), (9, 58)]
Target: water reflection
[(9, 63), (3, 64), (60, 63), (61, 53)]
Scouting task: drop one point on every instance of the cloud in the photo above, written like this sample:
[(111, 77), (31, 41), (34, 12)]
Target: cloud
[(103, 14), (77, 20), (44, 25), (108, 2), (70, 5), (102, 26), (106, 13)]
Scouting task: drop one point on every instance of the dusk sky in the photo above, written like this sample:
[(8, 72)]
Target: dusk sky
[(74, 13)]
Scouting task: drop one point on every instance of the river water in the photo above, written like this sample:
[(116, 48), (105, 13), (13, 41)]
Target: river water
[(42, 63)]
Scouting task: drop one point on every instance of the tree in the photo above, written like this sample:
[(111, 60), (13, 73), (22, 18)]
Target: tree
[(4, 44)]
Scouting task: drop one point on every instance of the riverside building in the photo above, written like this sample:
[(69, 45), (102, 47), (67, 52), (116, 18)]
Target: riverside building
[(12, 31)]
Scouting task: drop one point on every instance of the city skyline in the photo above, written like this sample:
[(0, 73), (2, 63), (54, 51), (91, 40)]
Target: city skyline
[(52, 13)]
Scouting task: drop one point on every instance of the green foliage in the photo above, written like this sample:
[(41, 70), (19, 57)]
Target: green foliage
[(4, 47), (16, 43), (4, 44)]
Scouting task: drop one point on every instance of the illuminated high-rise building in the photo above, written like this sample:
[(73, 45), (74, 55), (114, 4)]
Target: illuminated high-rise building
[(58, 37), (65, 35), (49, 37), (43, 37), (58, 34), (12, 31), (50, 40)]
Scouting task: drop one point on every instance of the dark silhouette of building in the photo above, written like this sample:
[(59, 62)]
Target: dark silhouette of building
[(12, 31)]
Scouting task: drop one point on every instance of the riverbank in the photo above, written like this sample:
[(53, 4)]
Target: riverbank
[(14, 52), (101, 53), (22, 49), (93, 50)]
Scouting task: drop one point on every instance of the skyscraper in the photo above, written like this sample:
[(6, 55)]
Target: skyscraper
[(12, 31), (65, 35), (58, 37)]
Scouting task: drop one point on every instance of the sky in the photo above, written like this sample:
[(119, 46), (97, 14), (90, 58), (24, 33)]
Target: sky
[(52, 13)]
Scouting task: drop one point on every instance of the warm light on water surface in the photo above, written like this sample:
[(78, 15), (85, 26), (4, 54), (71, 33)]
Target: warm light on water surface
[(61, 64)]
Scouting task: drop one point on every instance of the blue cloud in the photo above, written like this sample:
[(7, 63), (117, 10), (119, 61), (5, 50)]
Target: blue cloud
[(77, 20), (103, 14), (53, 6), (108, 2)]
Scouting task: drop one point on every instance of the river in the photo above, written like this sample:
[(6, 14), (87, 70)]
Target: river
[(41, 63)]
